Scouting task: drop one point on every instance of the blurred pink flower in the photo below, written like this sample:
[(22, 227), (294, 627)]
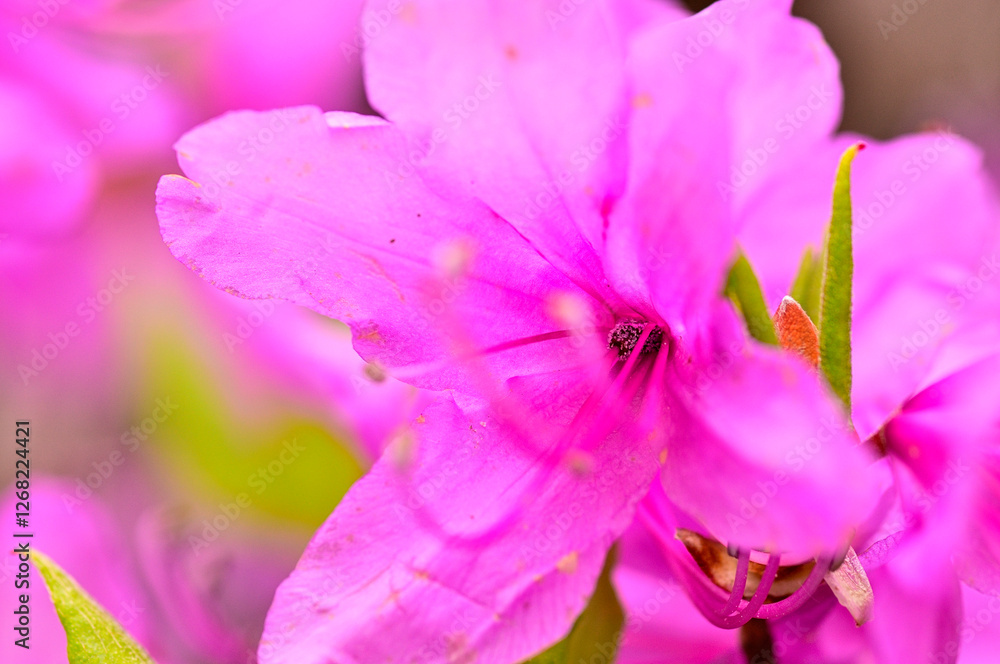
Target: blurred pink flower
[(184, 605), (90, 91)]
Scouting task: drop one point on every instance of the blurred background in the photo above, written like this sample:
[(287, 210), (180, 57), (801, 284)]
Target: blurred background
[(185, 443), (910, 64)]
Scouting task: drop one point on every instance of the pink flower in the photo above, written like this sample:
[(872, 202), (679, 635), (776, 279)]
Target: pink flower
[(925, 358), (95, 91), (545, 187)]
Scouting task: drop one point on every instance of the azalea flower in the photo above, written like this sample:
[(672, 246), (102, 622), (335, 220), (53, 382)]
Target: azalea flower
[(541, 228)]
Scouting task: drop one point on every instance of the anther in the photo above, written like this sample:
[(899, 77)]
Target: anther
[(626, 334)]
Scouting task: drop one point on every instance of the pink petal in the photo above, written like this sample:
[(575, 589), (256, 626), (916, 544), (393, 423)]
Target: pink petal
[(915, 265), (762, 455), (909, 625), (946, 436), (696, 158), (307, 208), (671, 236), (510, 83), (212, 596), (661, 624), (283, 52), (925, 228), (438, 553), (124, 111), (980, 634)]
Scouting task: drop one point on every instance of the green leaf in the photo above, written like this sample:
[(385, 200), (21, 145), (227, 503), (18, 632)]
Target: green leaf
[(838, 275), (596, 632), (743, 287), (808, 284), (92, 635)]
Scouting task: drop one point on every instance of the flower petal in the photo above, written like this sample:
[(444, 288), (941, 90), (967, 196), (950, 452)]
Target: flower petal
[(662, 625), (762, 454), (696, 157), (423, 560), (306, 208), (910, 624), (925, 255), (537, 87), (38, 200)]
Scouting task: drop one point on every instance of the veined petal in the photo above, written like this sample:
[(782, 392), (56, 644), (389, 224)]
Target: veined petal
[(696, 156), (422, 561), (538, 87), (670, 239), (785, 472), (310, 209), (918, 264)]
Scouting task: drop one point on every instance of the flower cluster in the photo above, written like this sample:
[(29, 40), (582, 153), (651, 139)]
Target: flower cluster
[(542, 228)]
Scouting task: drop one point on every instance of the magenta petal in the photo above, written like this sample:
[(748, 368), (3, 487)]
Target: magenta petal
[(671, 235), (421, 562), (538, 88), (662, 626), (174, 572), (695, 156), (926, 242), (784, 97), (946, 437), (310, 209), (763, 455), (978, 560), (980, 635), (285, 52), (919, 282), (914, 621)]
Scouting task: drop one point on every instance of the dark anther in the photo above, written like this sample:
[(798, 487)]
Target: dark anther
[(626, 335), (733, 550)]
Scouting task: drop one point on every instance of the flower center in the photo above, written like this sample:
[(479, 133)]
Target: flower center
[(625, 336)]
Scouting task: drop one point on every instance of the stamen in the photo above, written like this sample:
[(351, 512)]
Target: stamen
[(708, 569), (739, 583), (625, 336), (517, 343), (800, 596), (589, 425)]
